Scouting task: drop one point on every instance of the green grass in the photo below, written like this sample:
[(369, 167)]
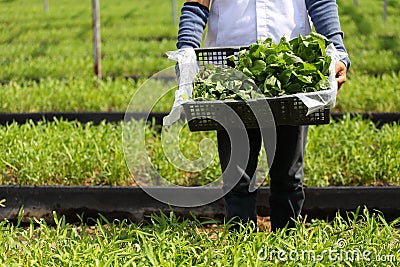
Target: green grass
[(46, 65), (358, 239), (51, 49), (67, 95), (58, 44), (62, 153), (352, 152), (135, 35), (74, 94), (365, 93), (372, 43)]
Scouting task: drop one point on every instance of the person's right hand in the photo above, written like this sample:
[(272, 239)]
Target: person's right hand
[(341, 72)]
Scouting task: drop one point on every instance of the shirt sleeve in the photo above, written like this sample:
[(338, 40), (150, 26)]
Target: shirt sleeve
[(325, 17), (192, 23)]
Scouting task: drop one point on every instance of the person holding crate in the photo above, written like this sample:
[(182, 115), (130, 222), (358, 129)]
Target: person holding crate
[(241, 23)]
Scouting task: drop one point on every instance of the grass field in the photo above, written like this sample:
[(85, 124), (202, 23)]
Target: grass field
[(358, 239), (46, 65), (48, 55), (352, 152)]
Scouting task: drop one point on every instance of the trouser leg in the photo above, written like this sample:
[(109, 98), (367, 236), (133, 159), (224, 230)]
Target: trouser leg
[(240, 203), (287, 194)]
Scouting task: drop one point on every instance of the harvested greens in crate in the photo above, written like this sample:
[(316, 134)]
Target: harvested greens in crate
[(294, 78)]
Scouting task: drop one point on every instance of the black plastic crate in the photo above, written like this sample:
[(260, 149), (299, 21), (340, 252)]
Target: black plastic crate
[(205, 115)]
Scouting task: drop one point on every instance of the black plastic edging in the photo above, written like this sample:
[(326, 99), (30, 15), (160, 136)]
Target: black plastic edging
[(133, 204), (378, 118), (96, 117), (83, 117)]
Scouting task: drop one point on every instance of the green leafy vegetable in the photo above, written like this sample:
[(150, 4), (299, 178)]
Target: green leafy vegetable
[(296, 66), (215, 82)]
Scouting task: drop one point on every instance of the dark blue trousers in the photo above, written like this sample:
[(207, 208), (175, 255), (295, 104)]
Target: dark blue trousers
[(286, 173)]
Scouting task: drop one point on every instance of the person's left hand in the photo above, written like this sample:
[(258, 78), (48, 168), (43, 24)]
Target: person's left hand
[(341, 72)]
